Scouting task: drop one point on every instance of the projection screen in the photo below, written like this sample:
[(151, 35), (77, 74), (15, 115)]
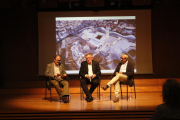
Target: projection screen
[(105, 34)]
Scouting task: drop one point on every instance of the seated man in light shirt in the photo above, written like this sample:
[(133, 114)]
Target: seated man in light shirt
[(55, 71), (89, 73), (124, 71)]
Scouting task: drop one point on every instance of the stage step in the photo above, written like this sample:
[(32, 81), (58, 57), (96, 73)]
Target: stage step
[(90, 115)]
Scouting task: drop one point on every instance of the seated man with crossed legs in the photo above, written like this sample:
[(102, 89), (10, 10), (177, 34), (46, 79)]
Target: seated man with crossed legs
[(124, 71)]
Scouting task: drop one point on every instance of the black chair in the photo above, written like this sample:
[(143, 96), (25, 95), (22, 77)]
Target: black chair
[(127, 84), (48, 87), (82, 92)]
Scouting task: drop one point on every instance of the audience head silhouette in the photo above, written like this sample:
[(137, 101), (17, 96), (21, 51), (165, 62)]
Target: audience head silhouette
[(171, 93)]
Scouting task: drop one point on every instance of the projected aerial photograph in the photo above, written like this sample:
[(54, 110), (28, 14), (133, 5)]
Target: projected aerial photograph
[(106, 39)]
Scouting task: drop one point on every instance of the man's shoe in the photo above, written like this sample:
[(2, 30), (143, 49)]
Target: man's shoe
[(116, 99), (89, 99), (65, 99), (105, 87)]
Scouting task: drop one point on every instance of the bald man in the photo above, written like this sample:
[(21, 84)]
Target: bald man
[(55, 71)]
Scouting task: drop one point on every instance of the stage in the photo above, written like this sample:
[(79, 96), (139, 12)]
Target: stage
[(34, 106)]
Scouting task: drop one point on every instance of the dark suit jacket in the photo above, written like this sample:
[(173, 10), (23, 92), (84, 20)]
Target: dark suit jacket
[(164, 112), (84, 69), (129, 72)]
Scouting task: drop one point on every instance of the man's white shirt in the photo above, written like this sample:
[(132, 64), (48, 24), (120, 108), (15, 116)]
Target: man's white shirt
[(90, 72), (56, 70), (123, 67)]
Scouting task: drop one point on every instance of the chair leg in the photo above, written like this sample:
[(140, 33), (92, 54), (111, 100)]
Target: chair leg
[(98, 92), (110, 93), (81, 93), (134, 91), (50, 95), (45, 92), (121, 91), (127, 92)]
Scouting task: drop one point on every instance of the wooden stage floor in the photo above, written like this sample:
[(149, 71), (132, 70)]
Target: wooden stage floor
[(36, 103), (11, 104)]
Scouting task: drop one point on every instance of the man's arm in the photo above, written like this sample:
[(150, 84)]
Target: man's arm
[(130, 70), (47, 72), (82, 72), (98, 71), (116, 70), (63, 72)]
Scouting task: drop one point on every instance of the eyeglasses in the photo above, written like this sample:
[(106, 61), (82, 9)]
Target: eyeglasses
[(88, 57)]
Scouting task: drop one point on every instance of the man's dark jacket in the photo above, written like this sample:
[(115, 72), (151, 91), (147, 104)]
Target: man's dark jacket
[(129, 72)]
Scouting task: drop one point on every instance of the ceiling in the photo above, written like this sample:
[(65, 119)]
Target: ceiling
[(80, 4)]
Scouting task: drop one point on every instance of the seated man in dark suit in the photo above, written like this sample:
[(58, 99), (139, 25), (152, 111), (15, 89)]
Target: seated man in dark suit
[(55, 71), (124, 71), (89, 72)]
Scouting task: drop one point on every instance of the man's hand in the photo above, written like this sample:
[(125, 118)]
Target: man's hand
[(87, 76), (64, 75), (55, 76), (119, 73), (93, 76)]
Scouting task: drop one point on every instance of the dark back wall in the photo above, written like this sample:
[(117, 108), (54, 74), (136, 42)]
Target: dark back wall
[(19, 42)]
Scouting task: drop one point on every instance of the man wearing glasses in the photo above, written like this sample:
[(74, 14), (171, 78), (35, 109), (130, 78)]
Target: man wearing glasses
[(89, 73), (55, 71), (124, 71)]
